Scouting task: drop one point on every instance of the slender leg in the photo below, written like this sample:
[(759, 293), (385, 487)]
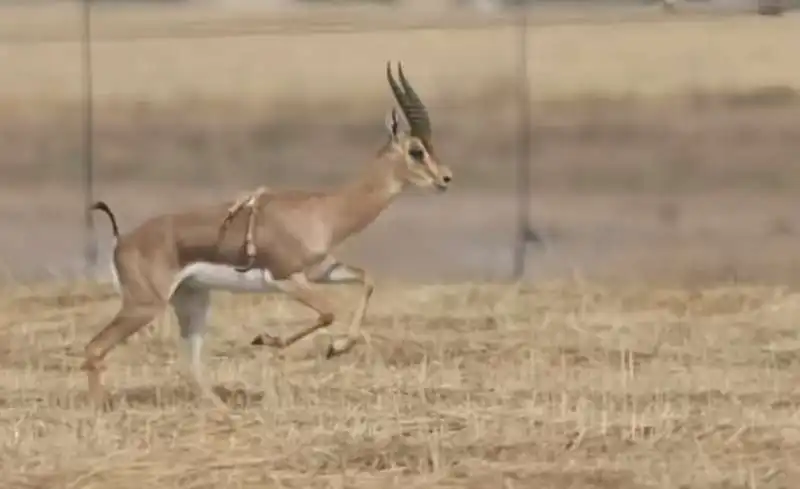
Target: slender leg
[(144, 284), (297, 287), (332, 271), (191, 308), (129, 319)]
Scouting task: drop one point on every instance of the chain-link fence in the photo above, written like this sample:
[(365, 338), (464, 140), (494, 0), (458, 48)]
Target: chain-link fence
[(660, 144)]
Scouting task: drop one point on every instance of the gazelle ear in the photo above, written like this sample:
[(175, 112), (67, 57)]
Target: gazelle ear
[(393, 124)]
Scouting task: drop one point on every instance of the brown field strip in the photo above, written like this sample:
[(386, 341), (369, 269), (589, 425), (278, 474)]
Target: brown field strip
[(567, 60)]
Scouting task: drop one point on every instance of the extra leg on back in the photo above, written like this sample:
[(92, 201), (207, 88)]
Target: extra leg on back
[(250, 201)]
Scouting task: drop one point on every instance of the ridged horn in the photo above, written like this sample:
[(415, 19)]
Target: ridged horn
[(416, 109), (413, 108)]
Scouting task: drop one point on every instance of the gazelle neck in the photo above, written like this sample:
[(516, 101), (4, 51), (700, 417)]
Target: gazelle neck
[(358, 203)]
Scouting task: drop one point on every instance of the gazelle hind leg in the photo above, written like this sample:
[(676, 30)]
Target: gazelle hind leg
[(145, 285), (191, 308), (130, 319)]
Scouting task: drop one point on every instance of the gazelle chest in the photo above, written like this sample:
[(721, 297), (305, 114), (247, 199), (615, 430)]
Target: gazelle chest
[(315, 236)]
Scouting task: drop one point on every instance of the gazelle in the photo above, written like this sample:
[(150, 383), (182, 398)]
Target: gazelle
[(176, 259)]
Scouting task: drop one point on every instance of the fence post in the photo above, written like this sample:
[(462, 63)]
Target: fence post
[(90, 245), (525, 234)]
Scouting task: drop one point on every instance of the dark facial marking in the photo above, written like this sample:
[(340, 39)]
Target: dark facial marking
[(416, 153)]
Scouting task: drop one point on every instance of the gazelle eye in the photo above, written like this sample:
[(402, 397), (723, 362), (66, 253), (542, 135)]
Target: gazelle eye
[(416, 153)]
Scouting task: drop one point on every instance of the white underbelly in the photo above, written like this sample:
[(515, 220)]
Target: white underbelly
[(225, 277)]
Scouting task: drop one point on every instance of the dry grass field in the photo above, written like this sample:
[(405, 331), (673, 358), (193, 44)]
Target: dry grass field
[(567, 385), (656, 346)]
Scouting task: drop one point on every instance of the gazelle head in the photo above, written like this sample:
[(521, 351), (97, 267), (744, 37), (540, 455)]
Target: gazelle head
[(419, 165)]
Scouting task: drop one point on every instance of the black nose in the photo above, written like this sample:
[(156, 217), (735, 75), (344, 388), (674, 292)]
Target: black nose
[(447, 179)]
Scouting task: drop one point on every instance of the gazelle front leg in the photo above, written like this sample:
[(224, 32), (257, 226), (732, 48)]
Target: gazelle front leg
[(332, 271), (296, 286)]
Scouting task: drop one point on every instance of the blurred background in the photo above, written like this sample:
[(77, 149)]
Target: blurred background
[(663, 137)]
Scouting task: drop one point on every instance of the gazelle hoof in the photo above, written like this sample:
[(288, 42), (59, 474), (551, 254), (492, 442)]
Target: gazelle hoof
[(337, 348), (267, 340), (331, 352)]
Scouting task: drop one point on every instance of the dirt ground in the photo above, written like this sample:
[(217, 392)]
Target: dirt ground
[(568, 385)]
